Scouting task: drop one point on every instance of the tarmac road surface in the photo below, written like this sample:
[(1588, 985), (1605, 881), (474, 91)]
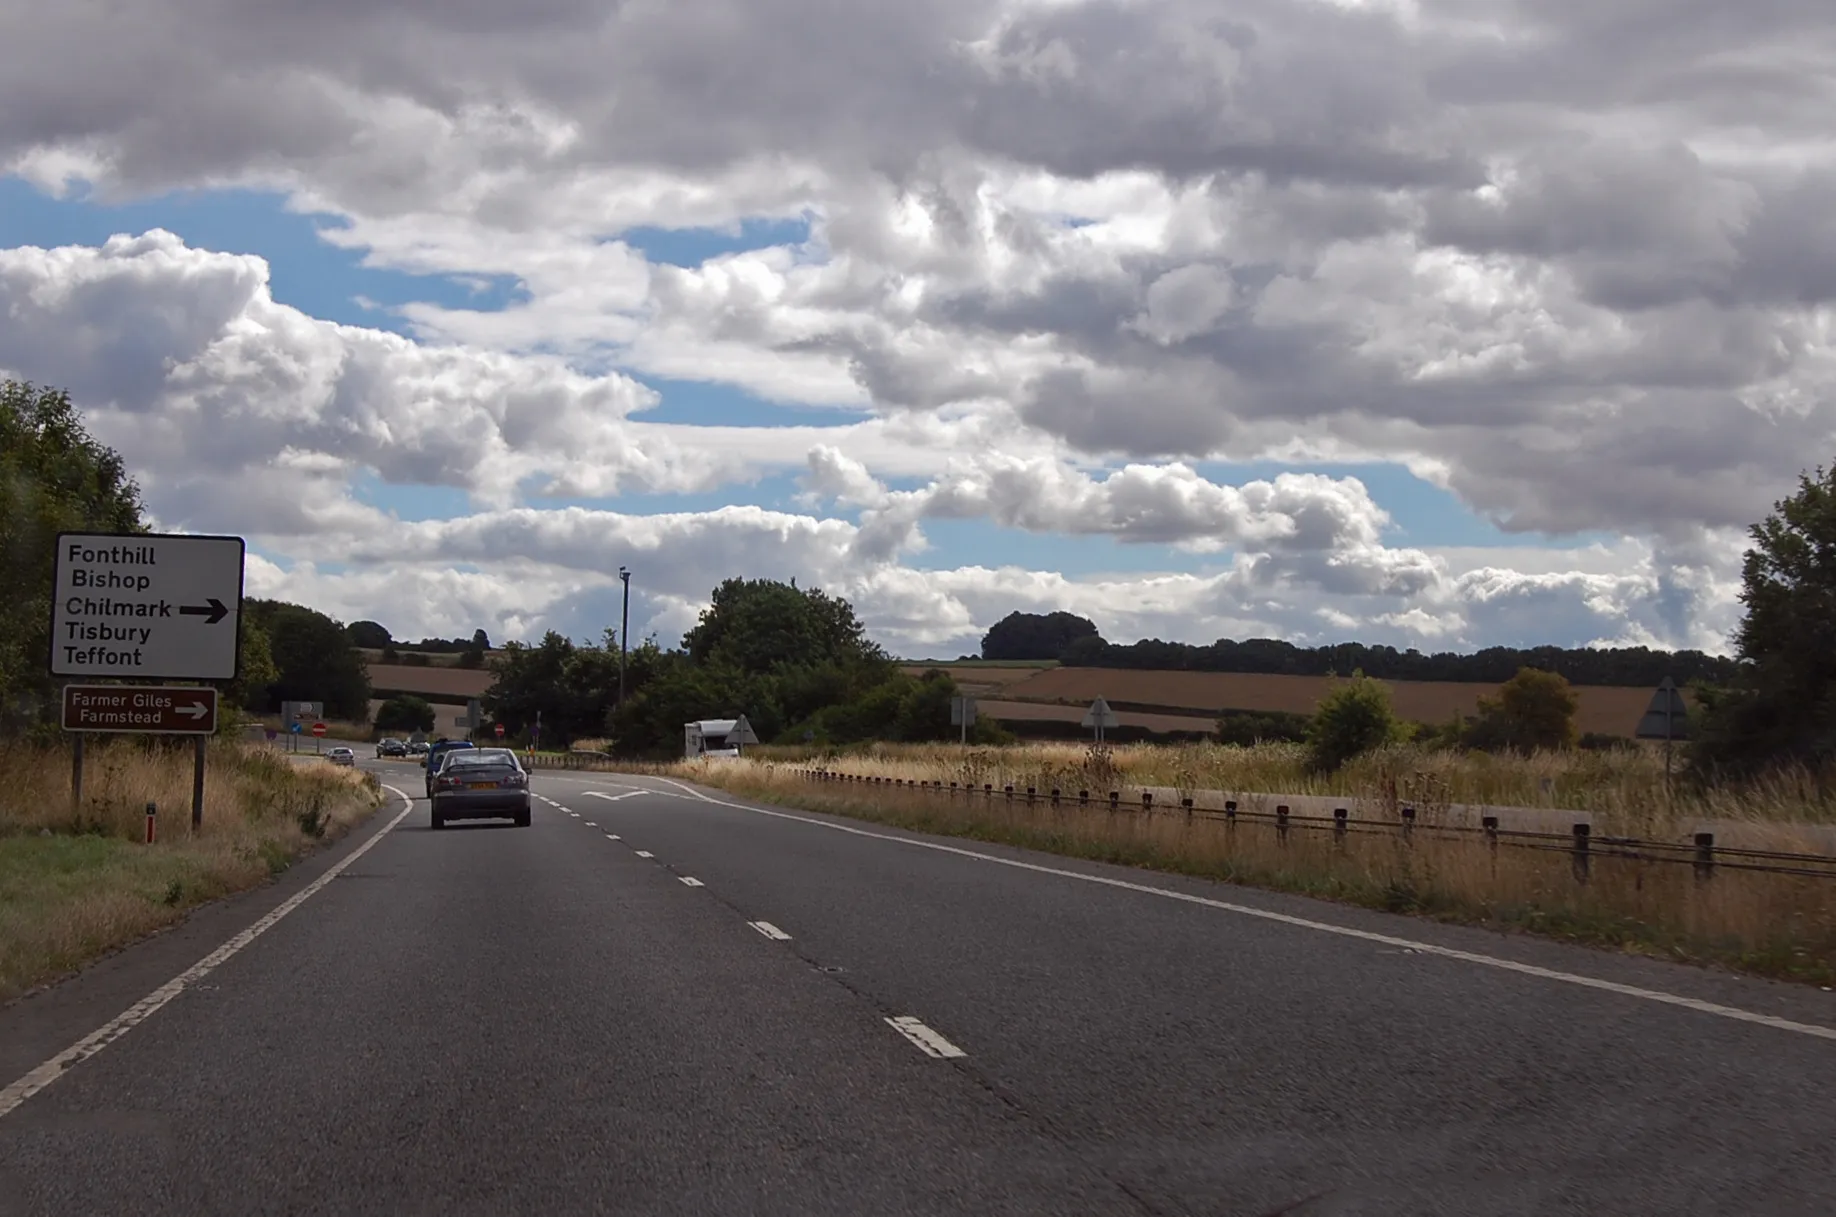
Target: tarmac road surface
[(664, 1000)]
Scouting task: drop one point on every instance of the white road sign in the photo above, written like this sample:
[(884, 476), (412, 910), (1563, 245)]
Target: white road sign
[(147, 606)]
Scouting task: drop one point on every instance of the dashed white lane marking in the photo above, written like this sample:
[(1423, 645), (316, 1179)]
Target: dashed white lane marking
[(644, 853), (769, 930), (611, 836), (690, 882), (589, 824), (140, 1011), (1656, 996), (613, 798), (929, 1042)]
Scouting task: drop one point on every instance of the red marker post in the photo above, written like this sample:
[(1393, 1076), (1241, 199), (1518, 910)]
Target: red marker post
[(152, 810)]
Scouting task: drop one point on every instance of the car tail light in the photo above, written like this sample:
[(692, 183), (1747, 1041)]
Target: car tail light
[(516, 779)]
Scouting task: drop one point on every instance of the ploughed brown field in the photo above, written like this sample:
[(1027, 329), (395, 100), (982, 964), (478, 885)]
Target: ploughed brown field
[(1032, 693)]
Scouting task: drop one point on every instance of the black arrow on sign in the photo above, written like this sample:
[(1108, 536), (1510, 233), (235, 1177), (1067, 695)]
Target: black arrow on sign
[(212, 613)]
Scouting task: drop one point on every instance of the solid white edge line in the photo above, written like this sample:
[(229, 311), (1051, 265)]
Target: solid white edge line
[(928, 1041), (689, 882), (140, 1011), (1390, 940), (769, 930)]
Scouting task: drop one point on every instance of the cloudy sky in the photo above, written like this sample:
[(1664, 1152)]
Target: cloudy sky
[(1443, 323)]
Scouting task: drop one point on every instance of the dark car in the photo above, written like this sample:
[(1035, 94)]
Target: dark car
[(391, 747), (437, 750), (480, 784)]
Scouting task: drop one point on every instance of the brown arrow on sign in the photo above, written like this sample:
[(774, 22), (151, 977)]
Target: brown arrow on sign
[(140, 709)]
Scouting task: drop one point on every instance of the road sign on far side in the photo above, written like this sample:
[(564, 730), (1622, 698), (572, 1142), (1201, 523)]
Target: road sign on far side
[(1100, 715), (147, 606), (141, 709), (742, 733), (1667, 717), (962, 711)]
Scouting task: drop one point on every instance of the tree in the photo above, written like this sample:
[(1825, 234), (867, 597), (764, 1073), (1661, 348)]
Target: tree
[(257, 671), (370, 635), (474, 654), (1353, 718), (315, 659), (1781, 703), (758, 626), (53, 477), (1532, 711), (405, 713), (1031, 636)]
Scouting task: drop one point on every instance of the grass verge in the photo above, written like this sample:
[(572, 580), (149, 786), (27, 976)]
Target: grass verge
[(75, 884), (1772, 925)]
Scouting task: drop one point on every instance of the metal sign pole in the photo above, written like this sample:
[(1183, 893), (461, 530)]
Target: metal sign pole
[(197, 786), (76, 776)]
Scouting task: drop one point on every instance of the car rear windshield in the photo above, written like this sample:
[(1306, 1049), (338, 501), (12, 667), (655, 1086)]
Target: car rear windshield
[(483, 760)]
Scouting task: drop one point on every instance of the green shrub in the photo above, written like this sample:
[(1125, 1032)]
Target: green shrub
[(1353, 718)]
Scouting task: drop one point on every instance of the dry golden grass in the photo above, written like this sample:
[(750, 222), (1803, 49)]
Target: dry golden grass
[(74, 885), (1770, 924), (1624, 792), (1611, 710)]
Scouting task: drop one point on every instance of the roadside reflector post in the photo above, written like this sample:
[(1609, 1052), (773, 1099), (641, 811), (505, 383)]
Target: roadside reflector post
[(1705, 855), (1339, 816), (1187, 804), (1230, 817), (1490, 824), (1408, 822), (1281, 823), (152, 811), (197, 786), (1583, 832), (1147, 801)]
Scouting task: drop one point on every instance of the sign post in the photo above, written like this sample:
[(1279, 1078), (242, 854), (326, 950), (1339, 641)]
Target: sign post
[(1666, 718), (962, 713), (145, 607)]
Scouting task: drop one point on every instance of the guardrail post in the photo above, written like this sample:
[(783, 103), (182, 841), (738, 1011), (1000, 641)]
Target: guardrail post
[(1408, 822), (1583, 832), (1186, 805), (1083, 798), (1705, 855), (1147, 801), (1055, 793), (1115, 801), (1281, 823), (1009, 792), (953, 790), (1030, 795), (1230, 818), (1490, 824), (1339, 817)]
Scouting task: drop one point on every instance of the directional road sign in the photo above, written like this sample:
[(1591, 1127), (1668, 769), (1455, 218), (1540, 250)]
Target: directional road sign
[(742, 733), (147, 606), (148, 709)]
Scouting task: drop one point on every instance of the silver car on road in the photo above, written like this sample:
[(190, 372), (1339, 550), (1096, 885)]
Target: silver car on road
[(480, 784)]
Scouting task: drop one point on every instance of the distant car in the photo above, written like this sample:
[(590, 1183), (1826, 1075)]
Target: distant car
[(341, 756), (418, 748), (480, 784), (438, 750), (391, 747)]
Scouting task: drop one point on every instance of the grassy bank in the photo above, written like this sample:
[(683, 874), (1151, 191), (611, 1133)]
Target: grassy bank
[(1625, 790), (1774, 925), (76, 884)]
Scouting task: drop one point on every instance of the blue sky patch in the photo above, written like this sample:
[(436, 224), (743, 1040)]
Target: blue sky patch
[(704, 403), (305, 271), (690, 247)]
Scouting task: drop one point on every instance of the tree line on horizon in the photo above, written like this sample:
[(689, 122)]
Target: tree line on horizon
[(1074, 642)]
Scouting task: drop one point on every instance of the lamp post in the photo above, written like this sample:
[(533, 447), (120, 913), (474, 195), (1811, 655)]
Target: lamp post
[(624, 630)]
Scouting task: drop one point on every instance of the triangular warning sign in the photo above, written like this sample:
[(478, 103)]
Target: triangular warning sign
[(1100, 715), (1667, 717)]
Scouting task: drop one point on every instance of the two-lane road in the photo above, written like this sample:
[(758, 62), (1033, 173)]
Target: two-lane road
[(658, 1000)]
